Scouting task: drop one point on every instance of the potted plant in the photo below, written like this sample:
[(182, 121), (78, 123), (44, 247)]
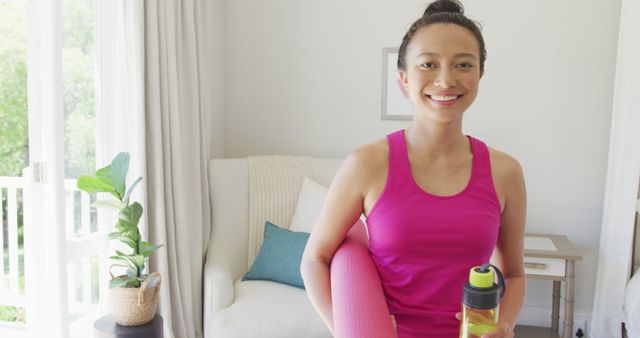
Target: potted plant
[(134, 295)]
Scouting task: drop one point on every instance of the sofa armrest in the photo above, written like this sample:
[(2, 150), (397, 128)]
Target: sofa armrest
[(218, 287)]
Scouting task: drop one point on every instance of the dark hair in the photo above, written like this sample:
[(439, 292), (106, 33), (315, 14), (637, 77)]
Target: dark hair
[(442, 11)]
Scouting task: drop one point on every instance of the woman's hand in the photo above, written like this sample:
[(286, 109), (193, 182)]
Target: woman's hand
[(395, 325), (503, 330)]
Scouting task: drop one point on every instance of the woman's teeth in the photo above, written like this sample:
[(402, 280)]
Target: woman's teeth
[(444, 98)]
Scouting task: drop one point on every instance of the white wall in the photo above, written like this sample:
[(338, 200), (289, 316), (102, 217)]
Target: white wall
[(304, 78), (215, 101)]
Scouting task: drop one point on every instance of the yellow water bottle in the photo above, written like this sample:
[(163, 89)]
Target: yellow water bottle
[(481, 301)]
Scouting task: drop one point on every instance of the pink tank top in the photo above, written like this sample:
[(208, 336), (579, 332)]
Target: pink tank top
[(424, 245)]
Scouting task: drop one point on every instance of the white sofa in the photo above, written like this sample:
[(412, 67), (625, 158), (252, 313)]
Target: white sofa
[(632, 306), (251, 309)]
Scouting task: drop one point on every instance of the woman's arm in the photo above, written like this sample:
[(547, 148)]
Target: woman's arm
[(509, 253), (342, 208)]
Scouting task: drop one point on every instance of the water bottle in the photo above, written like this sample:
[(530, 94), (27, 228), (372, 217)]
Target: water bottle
[(481, 301)]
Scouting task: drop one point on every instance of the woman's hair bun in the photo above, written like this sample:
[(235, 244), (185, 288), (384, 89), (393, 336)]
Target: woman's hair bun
[(442, 6)]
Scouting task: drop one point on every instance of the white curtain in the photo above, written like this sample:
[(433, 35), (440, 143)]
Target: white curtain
[(122, 108), (178, 106), (121, 122), (120, 125), (156, 103), (614, 263)]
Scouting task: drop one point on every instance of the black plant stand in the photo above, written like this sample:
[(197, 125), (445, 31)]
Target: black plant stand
[(106, 327)]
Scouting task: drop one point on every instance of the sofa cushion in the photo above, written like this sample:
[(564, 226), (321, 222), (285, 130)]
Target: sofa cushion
[(310, 201), (266, 309), (279, 257)]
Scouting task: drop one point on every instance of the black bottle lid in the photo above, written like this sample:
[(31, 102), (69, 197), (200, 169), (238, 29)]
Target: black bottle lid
[(480, 291)]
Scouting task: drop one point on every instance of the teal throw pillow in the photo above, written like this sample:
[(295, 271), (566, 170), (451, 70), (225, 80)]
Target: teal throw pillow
[(280, 256)]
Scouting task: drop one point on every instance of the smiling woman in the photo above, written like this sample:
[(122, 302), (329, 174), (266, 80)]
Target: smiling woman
[(437, 202)]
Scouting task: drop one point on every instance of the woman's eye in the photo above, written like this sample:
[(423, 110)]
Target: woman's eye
[(427, 65), (465, 65)]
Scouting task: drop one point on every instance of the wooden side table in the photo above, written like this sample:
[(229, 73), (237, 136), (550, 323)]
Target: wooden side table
[(551, 257), (106, 327)]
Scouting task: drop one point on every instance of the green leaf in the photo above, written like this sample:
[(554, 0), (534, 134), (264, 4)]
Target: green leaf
[(119, 169), (130, 233), (113, 204), (126, 197), (134, 261), (122, 227), (138, 260), (124, 239), (118, 282), (125, 281), (146, 248), (92, 184), (131, 273), (105, 176), (129, 217), (125, 260), (133, 283)]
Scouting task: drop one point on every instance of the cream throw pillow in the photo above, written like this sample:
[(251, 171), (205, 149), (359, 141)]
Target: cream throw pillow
[(310, 201)]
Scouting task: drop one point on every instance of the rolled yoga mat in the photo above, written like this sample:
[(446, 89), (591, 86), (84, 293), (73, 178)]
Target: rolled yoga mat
[(359, 306)]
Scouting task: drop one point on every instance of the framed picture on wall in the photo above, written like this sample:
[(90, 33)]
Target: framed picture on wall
[(396, 104)]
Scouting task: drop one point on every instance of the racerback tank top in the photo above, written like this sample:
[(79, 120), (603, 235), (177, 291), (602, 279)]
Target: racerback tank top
[(423, 245)]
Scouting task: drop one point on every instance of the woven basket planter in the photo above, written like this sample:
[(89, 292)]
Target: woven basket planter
[(135, 306)]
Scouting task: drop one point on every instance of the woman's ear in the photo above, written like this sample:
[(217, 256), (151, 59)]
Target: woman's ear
[(404, 80)]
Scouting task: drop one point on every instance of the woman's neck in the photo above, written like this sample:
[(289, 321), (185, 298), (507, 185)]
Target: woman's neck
[(436, 141)]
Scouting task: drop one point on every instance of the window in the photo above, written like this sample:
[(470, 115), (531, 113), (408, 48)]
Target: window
[(50, 83), (13, 157)]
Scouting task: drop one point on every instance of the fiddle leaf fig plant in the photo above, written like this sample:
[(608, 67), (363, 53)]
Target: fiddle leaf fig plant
[(112, 179)]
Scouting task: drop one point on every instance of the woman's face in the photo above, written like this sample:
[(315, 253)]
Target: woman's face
[(442, 70)]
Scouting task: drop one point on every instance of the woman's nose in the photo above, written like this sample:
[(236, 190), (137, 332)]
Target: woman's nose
[(444, 80)]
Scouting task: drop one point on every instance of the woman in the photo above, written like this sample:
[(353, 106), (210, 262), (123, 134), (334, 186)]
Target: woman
[(437, 202)]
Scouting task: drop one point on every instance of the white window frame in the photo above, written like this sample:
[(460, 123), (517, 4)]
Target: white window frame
[(45, 259), (47, 250)]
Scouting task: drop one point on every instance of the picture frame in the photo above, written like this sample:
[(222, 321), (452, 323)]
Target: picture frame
[(396, 104)]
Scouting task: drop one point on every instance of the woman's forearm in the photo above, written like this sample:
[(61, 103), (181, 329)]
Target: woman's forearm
[(318, 285), (513, 300)]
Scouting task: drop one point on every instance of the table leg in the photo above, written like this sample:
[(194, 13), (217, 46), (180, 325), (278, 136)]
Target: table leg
[(555, 308), (568, 299)]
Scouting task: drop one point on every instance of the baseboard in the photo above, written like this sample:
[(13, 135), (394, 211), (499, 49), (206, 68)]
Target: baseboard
[(541, 316)]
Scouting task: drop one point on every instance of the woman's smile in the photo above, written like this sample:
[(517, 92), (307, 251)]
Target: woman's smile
[(444, 100)]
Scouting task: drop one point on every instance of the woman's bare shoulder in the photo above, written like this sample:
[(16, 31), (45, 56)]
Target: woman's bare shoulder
[(371, 155), (504, 167), (507, 175), (364, 165)]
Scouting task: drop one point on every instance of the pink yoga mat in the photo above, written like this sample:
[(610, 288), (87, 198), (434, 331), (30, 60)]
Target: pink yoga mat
[(359, 306)]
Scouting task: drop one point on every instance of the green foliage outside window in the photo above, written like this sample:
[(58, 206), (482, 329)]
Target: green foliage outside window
[(13, 90), (78, 62), (78, 58)]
